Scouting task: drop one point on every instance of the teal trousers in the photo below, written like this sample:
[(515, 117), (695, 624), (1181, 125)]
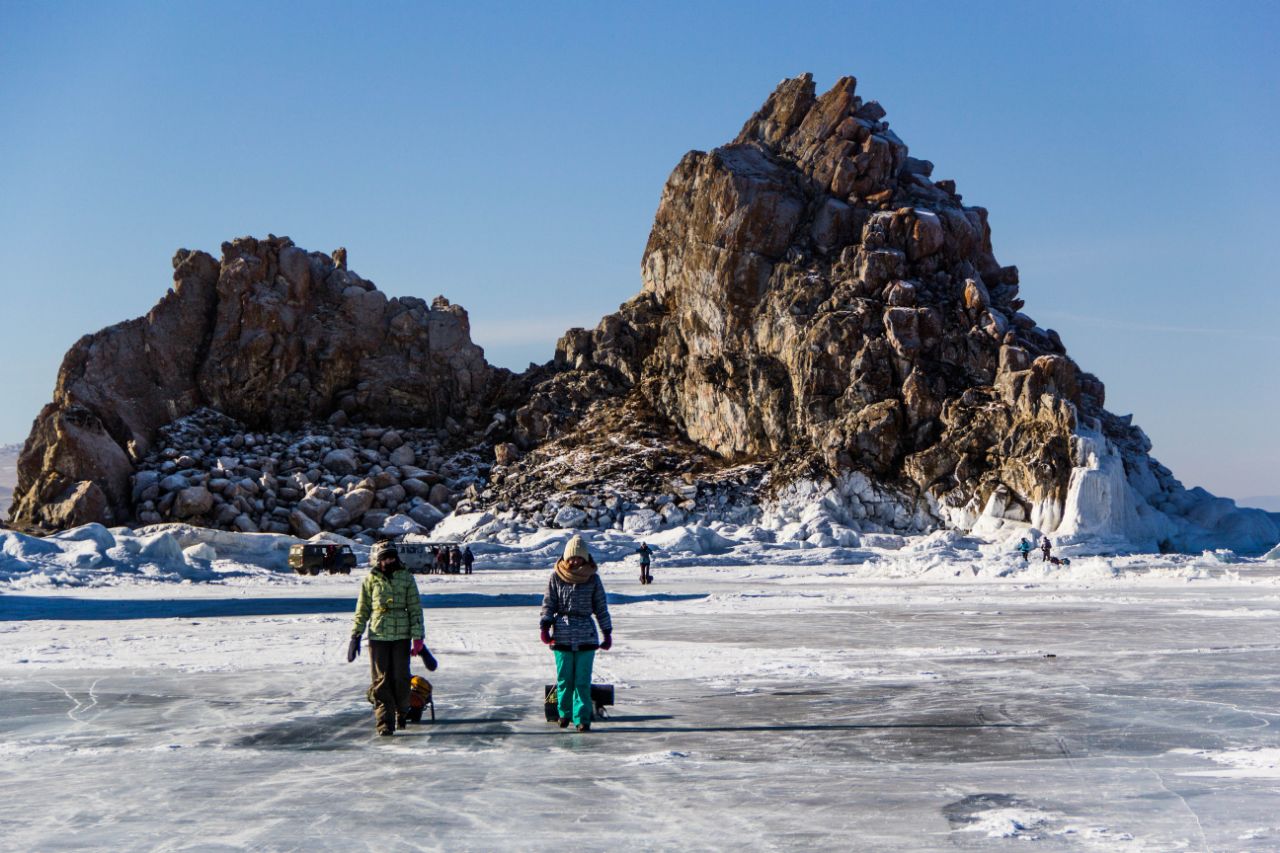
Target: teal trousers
[(573, 685)]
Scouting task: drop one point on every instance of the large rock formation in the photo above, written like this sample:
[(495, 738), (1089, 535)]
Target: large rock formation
[(273, 336), (824, 343), (817, 304)]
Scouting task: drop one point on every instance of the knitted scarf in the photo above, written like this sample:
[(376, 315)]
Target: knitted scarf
[(582, 575)]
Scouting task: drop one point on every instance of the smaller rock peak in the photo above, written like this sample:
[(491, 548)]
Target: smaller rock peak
[(794, 108), (782, 112)]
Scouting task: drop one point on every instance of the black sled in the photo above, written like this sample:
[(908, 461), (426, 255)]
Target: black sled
[(601, 697)]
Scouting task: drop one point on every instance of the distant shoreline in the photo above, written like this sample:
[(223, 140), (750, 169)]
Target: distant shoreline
[(8, 475)]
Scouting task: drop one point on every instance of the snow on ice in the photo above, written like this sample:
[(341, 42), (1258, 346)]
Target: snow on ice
[(779, 687)]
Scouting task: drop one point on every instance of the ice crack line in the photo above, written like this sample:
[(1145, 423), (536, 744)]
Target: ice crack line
[(71, 714), (1204, 842), (80, 706)]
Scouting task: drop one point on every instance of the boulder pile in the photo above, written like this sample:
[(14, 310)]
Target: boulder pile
[(361, 482)]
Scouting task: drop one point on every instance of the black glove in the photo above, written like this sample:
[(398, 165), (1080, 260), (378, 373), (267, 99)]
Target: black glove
[(353, 648), (427, 660)]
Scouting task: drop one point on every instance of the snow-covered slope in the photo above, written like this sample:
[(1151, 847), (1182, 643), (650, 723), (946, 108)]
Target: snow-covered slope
[(1117, 502)]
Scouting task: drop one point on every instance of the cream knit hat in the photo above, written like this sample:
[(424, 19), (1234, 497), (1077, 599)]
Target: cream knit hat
[(575, 547)]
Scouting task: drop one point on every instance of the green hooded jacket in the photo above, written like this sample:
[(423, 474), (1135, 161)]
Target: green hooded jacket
[(390, 606)]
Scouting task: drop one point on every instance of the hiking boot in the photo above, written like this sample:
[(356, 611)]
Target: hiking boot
[(584, 727), (402, 721), (385, 732), (564, 722)]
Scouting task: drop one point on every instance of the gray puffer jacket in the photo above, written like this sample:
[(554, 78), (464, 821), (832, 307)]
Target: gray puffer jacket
[(567, 608)]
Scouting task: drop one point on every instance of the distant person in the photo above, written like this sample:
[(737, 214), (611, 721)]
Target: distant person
[(455, 559), (1046, 549), (646, 554), (575, 596), (391, 608), (1024, 548), (468, 559)]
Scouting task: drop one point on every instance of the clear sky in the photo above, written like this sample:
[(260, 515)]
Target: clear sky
[(511, 158)]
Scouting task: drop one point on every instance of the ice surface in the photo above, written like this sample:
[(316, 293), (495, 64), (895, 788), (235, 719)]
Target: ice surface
[(934, 695)]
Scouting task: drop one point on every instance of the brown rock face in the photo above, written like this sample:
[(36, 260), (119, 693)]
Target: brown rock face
[(814, 301), (271, 334)]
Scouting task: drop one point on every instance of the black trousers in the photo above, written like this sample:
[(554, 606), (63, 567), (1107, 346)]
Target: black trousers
[(389, 667)]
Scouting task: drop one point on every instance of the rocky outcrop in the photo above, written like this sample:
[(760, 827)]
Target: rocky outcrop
[(814, 301), (271, 335), (817, 305)]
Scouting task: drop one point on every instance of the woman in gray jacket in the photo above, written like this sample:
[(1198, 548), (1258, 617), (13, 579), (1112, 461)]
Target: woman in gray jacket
[(575, 594)]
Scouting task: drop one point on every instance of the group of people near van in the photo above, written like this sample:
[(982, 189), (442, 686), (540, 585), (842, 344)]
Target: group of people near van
[(389, 607), (451, 560)]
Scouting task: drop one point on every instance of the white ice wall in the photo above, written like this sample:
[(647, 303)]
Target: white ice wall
[(1112, 504)]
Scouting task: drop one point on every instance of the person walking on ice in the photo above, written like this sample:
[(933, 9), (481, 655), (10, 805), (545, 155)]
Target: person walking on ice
[(1024, 548), (574, 603), (646, 554), (1046, 548), (468, 560), (390, 606)]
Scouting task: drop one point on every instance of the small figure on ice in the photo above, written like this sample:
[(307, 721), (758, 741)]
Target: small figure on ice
[(646, 554), (575, 594), (1024, 548), (1045, 548), (468, 559), (391, 608)]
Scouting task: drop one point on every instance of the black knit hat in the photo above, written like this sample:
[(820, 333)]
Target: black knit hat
[(382, 549)]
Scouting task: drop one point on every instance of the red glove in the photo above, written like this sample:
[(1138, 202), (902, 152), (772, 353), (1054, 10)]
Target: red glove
[(417, 647), (607, 644), (546, 634)]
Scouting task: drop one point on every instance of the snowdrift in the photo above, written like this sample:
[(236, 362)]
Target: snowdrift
[(93, 555)]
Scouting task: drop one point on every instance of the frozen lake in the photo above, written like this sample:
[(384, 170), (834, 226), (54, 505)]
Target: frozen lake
[(758, 708)]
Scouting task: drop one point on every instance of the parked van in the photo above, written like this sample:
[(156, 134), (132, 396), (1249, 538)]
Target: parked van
[(309, 558)]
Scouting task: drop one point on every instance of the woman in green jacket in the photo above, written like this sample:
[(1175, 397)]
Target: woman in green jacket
[(389, 605)]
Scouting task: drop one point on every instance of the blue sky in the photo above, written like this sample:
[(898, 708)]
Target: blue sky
[(511, 158)]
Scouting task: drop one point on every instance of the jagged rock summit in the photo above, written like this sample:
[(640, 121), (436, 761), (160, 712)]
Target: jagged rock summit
[(825, 345)]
